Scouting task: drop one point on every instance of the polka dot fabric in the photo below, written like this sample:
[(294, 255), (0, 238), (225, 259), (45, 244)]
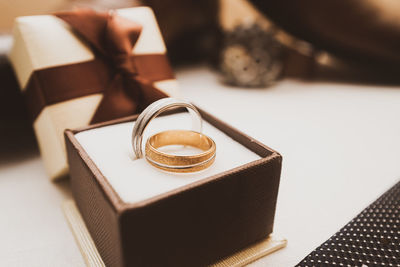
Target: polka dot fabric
[(370, 239)]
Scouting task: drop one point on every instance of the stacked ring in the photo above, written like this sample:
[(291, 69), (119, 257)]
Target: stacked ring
[(170, 162), (178, 163), (153, 111)]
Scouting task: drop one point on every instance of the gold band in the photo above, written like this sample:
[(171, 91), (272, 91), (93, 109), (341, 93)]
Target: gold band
[(179, 163)]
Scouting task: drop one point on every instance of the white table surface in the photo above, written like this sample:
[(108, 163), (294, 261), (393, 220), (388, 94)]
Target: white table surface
[(340, 144)]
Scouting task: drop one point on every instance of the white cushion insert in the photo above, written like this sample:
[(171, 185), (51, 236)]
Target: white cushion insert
[(135, 180)]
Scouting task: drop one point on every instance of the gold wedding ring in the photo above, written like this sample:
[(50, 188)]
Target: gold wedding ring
[(170, 162), (180, 163)]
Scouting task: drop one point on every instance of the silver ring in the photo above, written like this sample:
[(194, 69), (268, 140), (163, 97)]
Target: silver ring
[(156, 109)]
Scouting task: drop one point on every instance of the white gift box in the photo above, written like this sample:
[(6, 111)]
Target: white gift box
[(47, 41)]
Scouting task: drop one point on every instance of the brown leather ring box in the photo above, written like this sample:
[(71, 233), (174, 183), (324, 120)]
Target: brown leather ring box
[(194, 225)]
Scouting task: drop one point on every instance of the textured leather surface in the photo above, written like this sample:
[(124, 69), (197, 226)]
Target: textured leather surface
[(101, 218), (370, 239)]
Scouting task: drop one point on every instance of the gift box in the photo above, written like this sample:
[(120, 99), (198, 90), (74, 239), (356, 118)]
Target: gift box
[(138, 215), (71, 77)]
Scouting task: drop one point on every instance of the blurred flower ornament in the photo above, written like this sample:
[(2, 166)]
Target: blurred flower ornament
[(251, 56)]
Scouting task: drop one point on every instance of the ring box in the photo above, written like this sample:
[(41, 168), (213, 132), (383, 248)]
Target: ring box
[(138, 215)]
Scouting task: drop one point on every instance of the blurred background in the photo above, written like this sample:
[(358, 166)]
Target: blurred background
[(247, 43), (285, 38)]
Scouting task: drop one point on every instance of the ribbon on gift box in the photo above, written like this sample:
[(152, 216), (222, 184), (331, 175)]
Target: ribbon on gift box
[(126, 80)]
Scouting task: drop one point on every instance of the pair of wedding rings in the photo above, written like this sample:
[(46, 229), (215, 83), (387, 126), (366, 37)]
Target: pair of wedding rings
[(194, 138)]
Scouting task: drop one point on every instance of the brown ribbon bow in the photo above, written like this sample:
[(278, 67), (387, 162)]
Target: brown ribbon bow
[(126, 80)]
